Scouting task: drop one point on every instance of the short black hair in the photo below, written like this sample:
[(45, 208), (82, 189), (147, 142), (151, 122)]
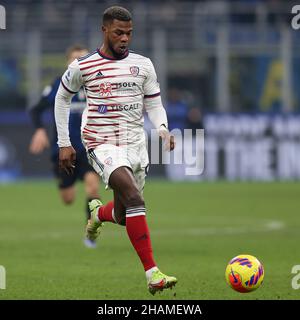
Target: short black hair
[(116, 12)]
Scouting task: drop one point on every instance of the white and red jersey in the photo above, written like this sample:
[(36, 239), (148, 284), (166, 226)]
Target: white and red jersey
[(116, 92)]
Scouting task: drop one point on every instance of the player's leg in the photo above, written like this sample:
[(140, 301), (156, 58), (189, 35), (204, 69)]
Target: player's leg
[(113, 211), (65, 183), (67, 194), (119, 210), (91, 185), (125, 186), (114, 168), (86, 173), (105, 159)]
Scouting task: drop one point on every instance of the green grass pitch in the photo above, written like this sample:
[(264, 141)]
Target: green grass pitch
[(196, 229)]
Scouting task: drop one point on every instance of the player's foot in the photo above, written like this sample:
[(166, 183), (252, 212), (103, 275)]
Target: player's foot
[(90, 243), (94, 226), (160, 281)]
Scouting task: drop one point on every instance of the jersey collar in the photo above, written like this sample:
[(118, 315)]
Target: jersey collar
[(101, 54)]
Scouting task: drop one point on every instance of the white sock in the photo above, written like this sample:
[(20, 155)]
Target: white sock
[(113, 215), (97, 215), (149, 272)]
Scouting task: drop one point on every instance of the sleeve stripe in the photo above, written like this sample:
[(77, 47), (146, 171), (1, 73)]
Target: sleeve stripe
[(67, 88), (152, 95)]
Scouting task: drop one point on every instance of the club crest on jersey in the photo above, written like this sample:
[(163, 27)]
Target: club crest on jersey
[(108, 161), (134, 70), (105, 89), (102, 108)]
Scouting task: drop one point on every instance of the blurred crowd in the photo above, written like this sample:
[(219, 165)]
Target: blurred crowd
[(255, 80)]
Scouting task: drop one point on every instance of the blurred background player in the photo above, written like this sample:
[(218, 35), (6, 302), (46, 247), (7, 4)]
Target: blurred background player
[(40, 141), (112, 131)]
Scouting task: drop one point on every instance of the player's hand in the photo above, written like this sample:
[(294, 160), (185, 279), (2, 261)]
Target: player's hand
[(67, 157), (39, 141), (168, 139)]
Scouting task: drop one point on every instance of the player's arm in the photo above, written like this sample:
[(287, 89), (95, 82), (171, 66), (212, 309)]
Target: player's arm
[(155, 110), (39, 140), (70, 84)]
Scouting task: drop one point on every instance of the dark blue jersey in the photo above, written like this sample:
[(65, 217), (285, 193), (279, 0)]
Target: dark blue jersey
[(47, 102)]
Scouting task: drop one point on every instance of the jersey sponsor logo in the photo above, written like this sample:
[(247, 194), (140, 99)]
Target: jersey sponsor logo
[(125, 107), (105, 89), (134, 70), (120, 85), (102, 108)]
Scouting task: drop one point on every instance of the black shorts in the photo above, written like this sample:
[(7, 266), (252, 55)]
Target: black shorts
[(82, 167)]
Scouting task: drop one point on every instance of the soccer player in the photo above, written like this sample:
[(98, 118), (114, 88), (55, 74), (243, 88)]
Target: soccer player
[(119, 84), (40, 142)]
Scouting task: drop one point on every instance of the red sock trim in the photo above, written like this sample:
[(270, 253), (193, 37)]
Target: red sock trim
[(105, 212)]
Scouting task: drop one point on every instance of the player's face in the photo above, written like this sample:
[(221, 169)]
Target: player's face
[(118, 36), (76, 54)]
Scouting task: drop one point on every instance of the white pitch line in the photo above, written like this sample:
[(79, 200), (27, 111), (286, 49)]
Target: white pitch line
[(260, 227), (272, 225)]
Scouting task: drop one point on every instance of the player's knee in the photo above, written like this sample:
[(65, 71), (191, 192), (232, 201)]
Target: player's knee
[(68, 201), (67, 198), (68, 195), (134, 199), (93, 193), (92, 185)]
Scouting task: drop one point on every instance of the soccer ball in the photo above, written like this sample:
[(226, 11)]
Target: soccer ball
[(244, 273)]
